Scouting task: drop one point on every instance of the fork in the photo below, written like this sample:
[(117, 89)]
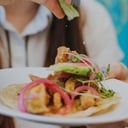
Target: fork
[(75, 2)]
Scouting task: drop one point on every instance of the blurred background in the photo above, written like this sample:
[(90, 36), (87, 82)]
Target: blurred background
[(118, 10)]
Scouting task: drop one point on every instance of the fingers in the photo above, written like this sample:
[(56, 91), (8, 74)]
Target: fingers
[(53, 6), (118, 71), (125, 123)]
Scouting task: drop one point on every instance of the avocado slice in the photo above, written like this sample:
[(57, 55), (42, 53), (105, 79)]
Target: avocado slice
[(71, 68)]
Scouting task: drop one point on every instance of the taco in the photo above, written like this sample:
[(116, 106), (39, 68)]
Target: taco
[(74, 89)]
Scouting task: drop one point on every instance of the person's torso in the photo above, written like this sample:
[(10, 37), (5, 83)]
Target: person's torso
[(27, 48)]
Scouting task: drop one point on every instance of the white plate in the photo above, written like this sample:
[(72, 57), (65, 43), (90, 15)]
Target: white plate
[(20, 75)]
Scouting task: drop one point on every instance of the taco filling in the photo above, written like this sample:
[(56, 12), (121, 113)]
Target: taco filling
[(73, 89)]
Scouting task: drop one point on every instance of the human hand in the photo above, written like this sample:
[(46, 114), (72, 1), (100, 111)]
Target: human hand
[(53, 6), (119, 71)]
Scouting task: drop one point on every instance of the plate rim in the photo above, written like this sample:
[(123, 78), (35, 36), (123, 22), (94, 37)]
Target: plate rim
[(54, 120)]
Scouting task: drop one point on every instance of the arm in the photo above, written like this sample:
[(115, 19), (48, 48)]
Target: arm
[(102, 47), (99, 34), (101, 41)]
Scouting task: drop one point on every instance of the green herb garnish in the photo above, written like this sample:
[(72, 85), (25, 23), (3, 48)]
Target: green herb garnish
[(99, 76), (106, 93), (108, 68), (75, 60)]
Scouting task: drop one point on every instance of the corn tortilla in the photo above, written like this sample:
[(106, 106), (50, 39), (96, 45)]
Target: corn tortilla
[(9, 97)]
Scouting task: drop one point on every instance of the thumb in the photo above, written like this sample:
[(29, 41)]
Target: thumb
[(118, 71)]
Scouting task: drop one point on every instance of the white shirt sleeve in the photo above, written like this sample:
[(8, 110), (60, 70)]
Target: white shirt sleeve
[(99, 34)]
